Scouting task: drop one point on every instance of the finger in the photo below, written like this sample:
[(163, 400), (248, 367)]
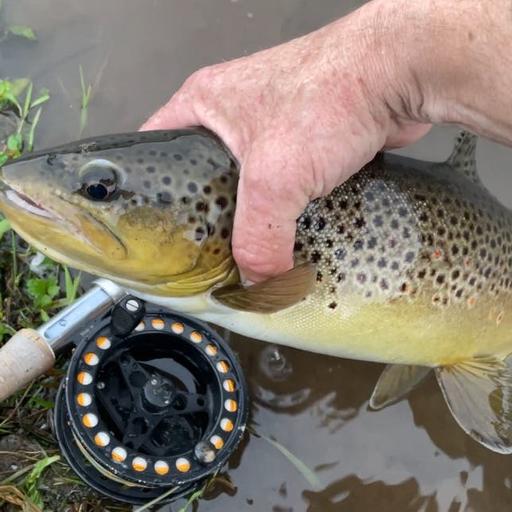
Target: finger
[(407, 135), (270, 199), (177, 113)]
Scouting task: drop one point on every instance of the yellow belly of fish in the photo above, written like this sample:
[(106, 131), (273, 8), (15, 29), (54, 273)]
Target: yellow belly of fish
[(397, 332)]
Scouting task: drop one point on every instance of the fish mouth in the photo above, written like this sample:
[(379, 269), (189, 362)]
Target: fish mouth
[(27, 204)]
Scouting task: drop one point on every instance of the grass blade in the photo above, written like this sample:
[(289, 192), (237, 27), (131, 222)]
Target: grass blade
[(156, 500), (22, 31), (307, 473), (30, 142)]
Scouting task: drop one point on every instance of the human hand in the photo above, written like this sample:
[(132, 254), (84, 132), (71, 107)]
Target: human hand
[(300, 118)]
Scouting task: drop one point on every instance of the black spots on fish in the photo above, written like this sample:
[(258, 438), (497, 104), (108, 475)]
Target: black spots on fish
[(192, 187), (333, 305), (207, 189), (164, 197), (343, 204), (423, 217), (402, 212), (192, 219), (152, 153), (340, 229), (361, 277), (315, 256), (177, 157), (372, 242), (409, 256), (394, 224), (224, 233), (329, 243), (199, 234), (440, 279), (305, 222), (358, 245), (319, 277), (201, 206), (224, 179), (150, 169), (166, 180), (422, 273), (382, 262), (329, 204), (320, 224), (354, 262), (221, 202), (340, 254), (378, 221), (216, 251), (193, 161), (359, 222), (311, 240), (341, 277), (146, 184), (384, 284)]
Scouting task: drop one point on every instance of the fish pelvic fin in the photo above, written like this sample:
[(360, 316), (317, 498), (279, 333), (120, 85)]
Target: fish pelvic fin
[(463, 157), (479, 395), (270, 296), (395, 382)]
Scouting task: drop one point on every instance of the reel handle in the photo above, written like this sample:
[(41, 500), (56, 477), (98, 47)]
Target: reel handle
[(30, 353)]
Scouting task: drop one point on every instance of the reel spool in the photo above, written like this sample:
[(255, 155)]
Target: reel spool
[(154, 409)]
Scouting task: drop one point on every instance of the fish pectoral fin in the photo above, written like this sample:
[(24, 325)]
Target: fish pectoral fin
[(479, 395), (276, 293), (395, 382)]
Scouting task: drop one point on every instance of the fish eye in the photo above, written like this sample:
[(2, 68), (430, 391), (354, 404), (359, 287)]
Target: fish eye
[(99, 180)]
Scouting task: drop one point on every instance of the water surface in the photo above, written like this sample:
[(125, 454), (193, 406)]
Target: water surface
[(409, 457)]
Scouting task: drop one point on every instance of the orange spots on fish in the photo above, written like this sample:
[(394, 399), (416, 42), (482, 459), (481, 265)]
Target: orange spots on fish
[(467, 262), (437, 254), (471, 301)]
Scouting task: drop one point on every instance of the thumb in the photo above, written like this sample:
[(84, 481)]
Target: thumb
[(178, 112), (271, 196)]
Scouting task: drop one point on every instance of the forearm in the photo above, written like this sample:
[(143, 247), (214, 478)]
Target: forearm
[(451, 62)]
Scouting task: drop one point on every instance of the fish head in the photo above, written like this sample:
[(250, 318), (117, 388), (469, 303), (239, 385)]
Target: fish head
[(145, 208)]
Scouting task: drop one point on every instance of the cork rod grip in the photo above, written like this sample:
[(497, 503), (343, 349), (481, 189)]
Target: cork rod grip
[(23, 358)]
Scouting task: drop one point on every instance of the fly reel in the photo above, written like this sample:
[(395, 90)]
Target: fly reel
[(153, 403)]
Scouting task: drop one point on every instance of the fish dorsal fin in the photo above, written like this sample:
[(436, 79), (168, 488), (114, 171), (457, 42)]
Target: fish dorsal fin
[(276, 293), (463, 157), (395, 382), (479, 395)]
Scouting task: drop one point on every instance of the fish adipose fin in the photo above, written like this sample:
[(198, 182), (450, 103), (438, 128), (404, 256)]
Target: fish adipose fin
[(479, 395), (395, 382), (276, 293), (463, 157)]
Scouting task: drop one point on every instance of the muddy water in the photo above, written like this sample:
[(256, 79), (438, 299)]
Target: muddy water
[(409, 457)]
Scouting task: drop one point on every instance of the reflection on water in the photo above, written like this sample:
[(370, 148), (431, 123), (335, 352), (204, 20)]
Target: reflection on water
[(408, 457)]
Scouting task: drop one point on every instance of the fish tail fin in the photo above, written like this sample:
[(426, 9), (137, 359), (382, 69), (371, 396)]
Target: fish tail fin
[(479, 395), (463, 157), (395, 382)]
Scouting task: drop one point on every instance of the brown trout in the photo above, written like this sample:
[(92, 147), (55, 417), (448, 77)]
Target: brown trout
[(407, 263)]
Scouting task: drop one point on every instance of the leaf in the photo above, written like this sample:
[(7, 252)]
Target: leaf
[(32, 481), (14, 142), (43, 97), (4, 227), (3, 158), (22, 31), (71, 285), (193, 498), (43, 290)]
